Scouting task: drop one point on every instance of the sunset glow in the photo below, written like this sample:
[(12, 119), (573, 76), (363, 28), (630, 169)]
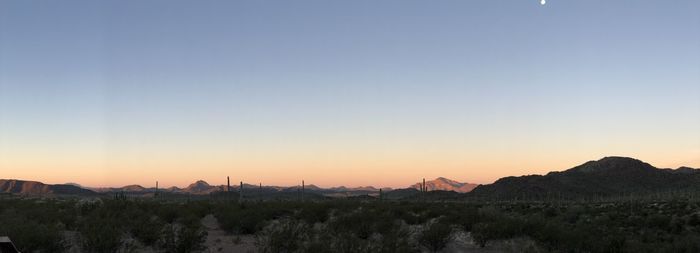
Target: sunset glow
[(342, 93)]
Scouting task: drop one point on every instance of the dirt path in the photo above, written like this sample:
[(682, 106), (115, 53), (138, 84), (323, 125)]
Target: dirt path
[(219, 241)]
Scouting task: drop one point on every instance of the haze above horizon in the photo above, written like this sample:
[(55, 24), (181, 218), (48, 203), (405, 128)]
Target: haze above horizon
[(109, 93)]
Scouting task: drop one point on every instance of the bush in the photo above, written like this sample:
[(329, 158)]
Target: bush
[(398, 240), (147, 229), (285, 235), (182, 238), (100, 234), (29, 235), (436, 236), (313, 213)]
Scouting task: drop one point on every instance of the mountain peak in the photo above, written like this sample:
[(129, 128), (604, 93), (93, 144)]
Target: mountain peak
[(446, 180), (620, 159), (200, 187), (38, 188), (445, 184), (605, 177), (200, 182), (613, 163)]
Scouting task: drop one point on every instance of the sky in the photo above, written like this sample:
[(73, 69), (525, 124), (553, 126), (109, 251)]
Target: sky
[(383, 93)]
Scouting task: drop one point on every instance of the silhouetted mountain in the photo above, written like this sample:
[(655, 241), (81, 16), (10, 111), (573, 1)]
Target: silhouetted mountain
[(74, 184), (129, 189), (444, 184), (353, 189), (37, 188), (202, 187), (606, 177)]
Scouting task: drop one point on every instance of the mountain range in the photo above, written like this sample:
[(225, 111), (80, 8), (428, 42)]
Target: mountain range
[(201, 187), (609, 176), (38, 188)]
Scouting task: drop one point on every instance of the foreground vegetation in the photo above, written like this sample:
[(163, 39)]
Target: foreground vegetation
[(105, 225)]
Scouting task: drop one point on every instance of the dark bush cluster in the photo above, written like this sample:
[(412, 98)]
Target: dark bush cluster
[(38, 225)]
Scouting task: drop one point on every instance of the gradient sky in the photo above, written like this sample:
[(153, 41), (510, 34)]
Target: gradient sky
[(384, 93)]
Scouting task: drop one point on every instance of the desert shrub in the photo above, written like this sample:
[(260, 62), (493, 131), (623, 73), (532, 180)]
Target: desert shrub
[(355, 224), (398, 240), (658, 221), (313, 213), (436, 236), (284, 235), (407, 216), (394, 240), (550, 212), (344, 242), (187, 236), (197, 208), (319, 242), (30, 235), (147, 229), (363, 223), (694, 219), (100, 234), (684, 244), (167, 213), (464, 218), (481, 233), (242, 221), (250, 218)]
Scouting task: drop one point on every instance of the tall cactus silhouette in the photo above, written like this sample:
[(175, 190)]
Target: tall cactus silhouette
[(423, 190), (240, 193)]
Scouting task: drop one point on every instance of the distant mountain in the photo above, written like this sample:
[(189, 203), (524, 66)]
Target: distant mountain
[(134, 188), (609, 176), (37, 188), (202, 187), (128, 188), (74, 184), (444, 184)]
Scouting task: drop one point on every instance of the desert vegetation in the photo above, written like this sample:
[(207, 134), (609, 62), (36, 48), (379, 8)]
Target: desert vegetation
[(108, 225), (47, 225)]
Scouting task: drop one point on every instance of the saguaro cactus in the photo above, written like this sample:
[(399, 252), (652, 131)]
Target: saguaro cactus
[(302, 190), (228, 184), (156, 193), (240, 193)]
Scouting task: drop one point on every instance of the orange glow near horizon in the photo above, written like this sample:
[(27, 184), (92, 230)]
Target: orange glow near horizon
[(323, 169), (351, 93)]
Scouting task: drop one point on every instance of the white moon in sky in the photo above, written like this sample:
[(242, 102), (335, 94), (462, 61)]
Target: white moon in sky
[(543, 2)]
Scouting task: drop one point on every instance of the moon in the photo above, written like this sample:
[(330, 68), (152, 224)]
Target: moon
[(543, 2)]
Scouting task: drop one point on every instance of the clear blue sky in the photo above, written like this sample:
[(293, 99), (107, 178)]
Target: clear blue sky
[(470, 90)]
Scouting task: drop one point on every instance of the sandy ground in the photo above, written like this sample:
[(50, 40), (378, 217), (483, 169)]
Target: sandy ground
[(219, 241)]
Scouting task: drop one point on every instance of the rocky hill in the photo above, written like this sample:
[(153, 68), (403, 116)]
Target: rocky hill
[(444, 184), (609, 176), (37, 188)]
